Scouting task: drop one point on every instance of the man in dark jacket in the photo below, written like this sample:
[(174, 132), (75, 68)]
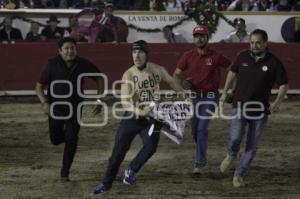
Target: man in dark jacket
[(51, 31), (63, 102), (8, 33)]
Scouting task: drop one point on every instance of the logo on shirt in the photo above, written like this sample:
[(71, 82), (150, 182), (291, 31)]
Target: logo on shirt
[(264, 68), (209, 61), (244, 64)]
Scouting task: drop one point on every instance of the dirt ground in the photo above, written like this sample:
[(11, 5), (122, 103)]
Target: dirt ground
[(30, 165)]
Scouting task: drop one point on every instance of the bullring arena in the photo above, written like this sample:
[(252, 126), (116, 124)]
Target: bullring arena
[(29, 164)]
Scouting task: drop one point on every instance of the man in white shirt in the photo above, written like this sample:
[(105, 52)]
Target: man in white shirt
[(173, 37), (240, 35)]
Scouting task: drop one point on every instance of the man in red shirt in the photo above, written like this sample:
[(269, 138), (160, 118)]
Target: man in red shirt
[(201, 67)]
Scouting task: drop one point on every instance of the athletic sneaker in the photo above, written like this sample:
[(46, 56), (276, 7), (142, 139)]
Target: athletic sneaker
[(197, 169), (129, 177), (99, 189), (226, 163), (238, 181)]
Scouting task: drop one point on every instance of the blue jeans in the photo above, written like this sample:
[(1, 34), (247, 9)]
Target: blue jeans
[(204, 107), (237, 131)]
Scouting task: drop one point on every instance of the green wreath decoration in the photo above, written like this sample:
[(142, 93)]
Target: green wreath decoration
[(204, 14), (207, 15)]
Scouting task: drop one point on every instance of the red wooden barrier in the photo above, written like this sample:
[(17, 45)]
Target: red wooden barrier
[(22, 63)]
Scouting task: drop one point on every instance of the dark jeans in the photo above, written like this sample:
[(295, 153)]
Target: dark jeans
[(204, 106), (127, 131), (65, 131)]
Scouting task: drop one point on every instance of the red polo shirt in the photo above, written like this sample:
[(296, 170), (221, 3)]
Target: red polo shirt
[(204, 70)]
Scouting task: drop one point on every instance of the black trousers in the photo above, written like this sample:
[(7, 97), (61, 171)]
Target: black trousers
[(127, 131), (65, 131)]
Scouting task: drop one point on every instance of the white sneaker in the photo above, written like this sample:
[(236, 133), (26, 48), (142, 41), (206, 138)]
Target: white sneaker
[(226, 163), (238, 181)]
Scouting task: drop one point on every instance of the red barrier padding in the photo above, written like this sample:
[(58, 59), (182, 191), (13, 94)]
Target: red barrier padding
[(22, 63)]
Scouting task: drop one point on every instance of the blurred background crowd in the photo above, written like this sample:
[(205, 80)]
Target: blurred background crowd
[(158, 5), (106, 27)]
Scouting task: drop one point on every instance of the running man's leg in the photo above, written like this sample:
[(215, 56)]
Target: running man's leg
[(254, 134), (127, 130), (149, 147), (236, 133), (71, 141), (205, 107), (56, 130)]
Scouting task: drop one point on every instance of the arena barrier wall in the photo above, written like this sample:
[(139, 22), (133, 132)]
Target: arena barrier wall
[(22, 63)]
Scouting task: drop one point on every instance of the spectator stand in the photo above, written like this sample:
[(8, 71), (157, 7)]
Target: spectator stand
[(272, 22)]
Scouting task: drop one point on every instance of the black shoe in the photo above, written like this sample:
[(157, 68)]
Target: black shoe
[(64, 179)]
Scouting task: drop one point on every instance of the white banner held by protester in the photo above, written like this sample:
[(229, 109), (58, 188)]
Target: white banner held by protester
[(173, 115)]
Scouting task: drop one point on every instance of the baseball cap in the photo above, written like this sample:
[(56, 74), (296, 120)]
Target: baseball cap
[(239, 20), (140, 45), (200, 29), (109, 5)]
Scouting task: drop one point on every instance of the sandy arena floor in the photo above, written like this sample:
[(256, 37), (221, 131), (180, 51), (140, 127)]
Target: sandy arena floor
[(29, 164)]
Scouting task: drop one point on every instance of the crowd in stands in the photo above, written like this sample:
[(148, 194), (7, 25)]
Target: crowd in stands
[(106, 27), (113, 30), (158, 5)]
